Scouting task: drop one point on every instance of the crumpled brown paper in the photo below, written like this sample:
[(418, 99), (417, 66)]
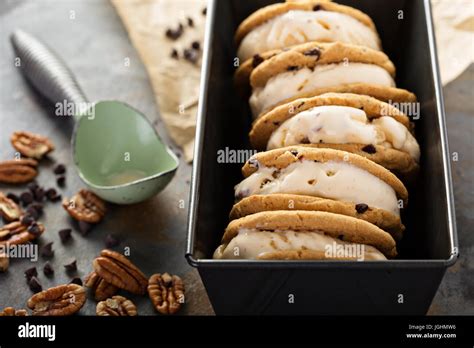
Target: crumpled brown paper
[(175, 82), (454, 27)]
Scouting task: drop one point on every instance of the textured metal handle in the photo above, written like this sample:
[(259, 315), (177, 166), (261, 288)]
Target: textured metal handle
[(45, 70)]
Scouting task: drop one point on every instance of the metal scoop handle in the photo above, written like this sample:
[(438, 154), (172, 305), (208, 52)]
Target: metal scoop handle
[(45, 70)]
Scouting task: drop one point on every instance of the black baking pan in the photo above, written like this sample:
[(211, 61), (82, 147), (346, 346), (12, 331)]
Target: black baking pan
[(406, 285)]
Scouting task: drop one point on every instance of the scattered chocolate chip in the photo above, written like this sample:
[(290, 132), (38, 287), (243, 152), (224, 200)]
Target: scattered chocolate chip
[(13, 197), (59, 169), (65, 234), (53, 195), (48, 269), (196, 45), (111, 241), (39, 194), (317, 7), (190, 55), (257, 60), (190, 21), (26, 198), (35, 285), (174, 54), (369, 149), (31, 272), (294, 152), (292, 68), (71, 267), (174, 34), (61, 180), (32, 186), (313, 52), (33, 213), (204, 11), (34, 229), (77, 281), (84, 227), (361, 208), (47, 250), (275, 173), (27, 220)]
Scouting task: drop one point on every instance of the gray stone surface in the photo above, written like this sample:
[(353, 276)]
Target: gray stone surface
[(95, 45)]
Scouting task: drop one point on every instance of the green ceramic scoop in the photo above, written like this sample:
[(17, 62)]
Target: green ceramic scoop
[(116, 150)]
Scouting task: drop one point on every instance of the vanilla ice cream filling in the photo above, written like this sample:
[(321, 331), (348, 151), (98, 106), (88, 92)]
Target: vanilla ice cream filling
[(297, 27), (335, 124), (252, 243), (292, 83), (336, 180)]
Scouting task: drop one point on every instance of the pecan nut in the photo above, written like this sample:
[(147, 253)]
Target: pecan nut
[(18, 171), (9, 209), (117, 306), (31, 145), (18, 233), (102, 290), (12, 312), (166, 292), (117, 270), (58, 301), (4, 262), (85, 206)]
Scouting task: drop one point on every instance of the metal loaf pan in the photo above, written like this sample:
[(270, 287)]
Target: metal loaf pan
[(403, 286)]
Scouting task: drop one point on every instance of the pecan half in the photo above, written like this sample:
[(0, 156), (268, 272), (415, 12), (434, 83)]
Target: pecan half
[(17, 233), (58, 301), (12, 312), (9, 209), (117, 306), (166, 292), (4, 262), (117, 270), (31, 145), (18, 171), (85, 206), (102, 290)]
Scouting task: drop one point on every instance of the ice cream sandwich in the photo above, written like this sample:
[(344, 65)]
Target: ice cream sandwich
[(286, 24), (316, 68), (357, 183), (343, 121), (304, 235)]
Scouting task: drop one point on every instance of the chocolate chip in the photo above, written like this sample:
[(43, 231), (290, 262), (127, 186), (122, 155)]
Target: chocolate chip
[(27, 220), (174, 53), (52, 195), (59, 169), (34, 229), (196, 45), (257, 60), (61, 180), (26, 198), (77, 281), (65, 234), (294, 152), (190, 55), (31, 272), (276, 173), (369, 149), (47, 250), (71, 267), (361, 208), (275, 123), (31, 211), (204, 11), (174, 34), (340, 237), (48, 269), (111, 241), (317, 7), (292, 68), (84, 227), (32, 186), (305, 140), (13, 197), (35, 285), (39, 194), (313, 52), (190, 21)]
